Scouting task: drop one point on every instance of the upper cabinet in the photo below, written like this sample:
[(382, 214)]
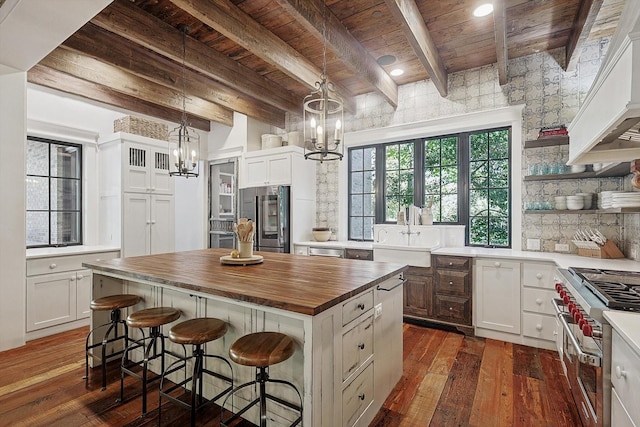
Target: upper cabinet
[(272, 167), (145, 169)]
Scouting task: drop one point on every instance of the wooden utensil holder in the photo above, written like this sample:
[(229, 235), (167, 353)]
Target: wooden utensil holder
[(593, 250)]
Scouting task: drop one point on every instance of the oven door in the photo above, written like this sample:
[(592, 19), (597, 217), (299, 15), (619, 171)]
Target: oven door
[(583, 359)]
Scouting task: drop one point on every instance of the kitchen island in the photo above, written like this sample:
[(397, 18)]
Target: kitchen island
[(344, 315)]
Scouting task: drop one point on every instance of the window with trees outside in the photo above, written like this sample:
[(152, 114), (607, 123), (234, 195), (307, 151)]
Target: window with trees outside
[(465, 177), (54, 193)]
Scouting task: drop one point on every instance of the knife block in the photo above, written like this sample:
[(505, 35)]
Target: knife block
[(593, 250)]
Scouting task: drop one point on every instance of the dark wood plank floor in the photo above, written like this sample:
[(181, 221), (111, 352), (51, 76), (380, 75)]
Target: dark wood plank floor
[(448, 380)]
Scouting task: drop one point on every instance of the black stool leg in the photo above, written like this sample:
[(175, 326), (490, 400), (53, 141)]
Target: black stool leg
[(262, 376)]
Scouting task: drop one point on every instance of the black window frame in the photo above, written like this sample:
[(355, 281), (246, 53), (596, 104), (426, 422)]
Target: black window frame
[(418, 190), (80, 209)]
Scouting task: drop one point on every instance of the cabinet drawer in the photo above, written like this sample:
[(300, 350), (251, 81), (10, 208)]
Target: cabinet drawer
[(453, 309), (357, 346), (356, 306), (452, 282), (357, 396), (362, 254), (453, 262), (619, 415), (539, 326), (58, 264), (538, 275), (625, 375), (538, 300)]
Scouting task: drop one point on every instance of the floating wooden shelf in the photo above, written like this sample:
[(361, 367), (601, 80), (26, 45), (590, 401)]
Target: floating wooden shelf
[(612, 170), (584, 211), (547, 142)]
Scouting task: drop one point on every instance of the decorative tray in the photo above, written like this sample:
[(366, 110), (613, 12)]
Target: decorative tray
[(228, 259)]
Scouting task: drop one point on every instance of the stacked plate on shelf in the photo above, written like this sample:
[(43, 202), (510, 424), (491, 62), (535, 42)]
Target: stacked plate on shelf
[(626, 199)]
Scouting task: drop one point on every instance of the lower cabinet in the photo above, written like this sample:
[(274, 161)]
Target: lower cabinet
[(497, 299), (418, 293), (625, 379), (59, 291), (362, 254), (357, 397)]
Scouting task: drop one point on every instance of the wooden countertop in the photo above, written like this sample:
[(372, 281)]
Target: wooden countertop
[(302, 284)]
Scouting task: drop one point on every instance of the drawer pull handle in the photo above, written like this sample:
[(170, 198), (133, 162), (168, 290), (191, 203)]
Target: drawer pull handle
[(360, 306), (352, 367), (539, 275), (52, 266), (361, 396), (538, 301), (620, 372), (497, 264), (361, 346), (538, 327)]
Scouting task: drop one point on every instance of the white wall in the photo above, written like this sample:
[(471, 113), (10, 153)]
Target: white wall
[(191, 211)]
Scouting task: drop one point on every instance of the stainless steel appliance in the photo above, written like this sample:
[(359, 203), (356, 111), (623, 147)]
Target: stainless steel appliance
[(584, 294), (326, 252), (269, 208)]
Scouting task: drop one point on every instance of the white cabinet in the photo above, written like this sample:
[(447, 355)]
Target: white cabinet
[(538, 316), (59, 291), (137, 202), (625, 379), (274, 169), (148, 224), (497, 298)]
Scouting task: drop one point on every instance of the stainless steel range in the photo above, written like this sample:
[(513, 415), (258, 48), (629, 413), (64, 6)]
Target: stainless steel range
[(585, 344)]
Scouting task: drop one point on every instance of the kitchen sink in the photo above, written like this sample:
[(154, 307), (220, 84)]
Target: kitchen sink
[(418, 256)]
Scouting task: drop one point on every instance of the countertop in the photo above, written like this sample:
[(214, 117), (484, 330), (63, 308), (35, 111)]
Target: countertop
[(628, 326), (297, 283), (345, 244), (68, 250)]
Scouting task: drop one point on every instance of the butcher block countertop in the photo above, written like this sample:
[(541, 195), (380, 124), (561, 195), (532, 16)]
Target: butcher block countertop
[(302, 284)]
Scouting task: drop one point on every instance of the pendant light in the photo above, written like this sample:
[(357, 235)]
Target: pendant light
[(323, 115), (184, 142)]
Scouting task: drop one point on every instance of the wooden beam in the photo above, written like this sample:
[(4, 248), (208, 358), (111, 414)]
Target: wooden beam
[(132, 23), (310, 15), (47, 77), (105, 46), (233, 23), (586, 16), (415, 30), (500, 31), (81, 66)]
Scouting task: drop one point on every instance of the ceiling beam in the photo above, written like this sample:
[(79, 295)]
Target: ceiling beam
[(107, 47), (233, 23), (500, 31), (415, 30), (132, 23), (586, 16), (47, 77), (309, 14), (78, 65)]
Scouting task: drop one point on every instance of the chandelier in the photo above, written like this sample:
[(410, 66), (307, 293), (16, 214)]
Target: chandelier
[(323, 115), (184, 142)]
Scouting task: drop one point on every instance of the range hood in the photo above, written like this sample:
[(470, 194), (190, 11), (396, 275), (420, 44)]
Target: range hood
[(607, 126)]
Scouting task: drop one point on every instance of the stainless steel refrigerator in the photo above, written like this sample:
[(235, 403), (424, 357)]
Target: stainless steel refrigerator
[(269, 208)]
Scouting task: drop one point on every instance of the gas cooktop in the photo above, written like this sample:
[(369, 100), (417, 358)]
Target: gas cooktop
[(618, 290)]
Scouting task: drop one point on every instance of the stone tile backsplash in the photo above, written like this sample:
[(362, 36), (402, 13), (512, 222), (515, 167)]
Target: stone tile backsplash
[(551, 97)]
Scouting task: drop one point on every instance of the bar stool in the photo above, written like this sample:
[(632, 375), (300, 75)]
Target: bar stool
[(262, 349), (196, 332), (113, 303), (152, 318)]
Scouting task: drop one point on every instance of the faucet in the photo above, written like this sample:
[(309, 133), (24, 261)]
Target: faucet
[(408, 233), (385, 235)]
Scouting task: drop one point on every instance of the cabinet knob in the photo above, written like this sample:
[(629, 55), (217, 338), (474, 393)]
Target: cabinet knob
[(450, 282), (98, 259), (361, 396), (450, 308), (148, 222), (52, 266), (497, 264), (538, 301), (620, 372), (538, 327), (450, 264), (153, 188), (153, 221), (72, 278), (539, 275), (357, 256), (80, 277), (361, 346), (360, 306)]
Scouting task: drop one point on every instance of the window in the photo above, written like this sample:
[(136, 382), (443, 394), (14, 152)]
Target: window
[(54, 193), (466, 178)]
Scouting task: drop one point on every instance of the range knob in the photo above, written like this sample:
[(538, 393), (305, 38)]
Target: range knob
[(587, 330), (558, 287), (572, 307), (567, 299), (577, 316), (582, 322)]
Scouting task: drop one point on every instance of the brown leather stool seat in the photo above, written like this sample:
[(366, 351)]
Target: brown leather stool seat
[(112, 303), (261, 350), (152, 318), (196, 332)]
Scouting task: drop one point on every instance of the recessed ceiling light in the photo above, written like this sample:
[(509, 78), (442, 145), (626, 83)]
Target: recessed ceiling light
[(396, 72), (483, 10), (386, 60)]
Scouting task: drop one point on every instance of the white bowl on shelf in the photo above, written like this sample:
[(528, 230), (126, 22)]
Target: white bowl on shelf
[(578, 168), (321, 234), (575, 205)]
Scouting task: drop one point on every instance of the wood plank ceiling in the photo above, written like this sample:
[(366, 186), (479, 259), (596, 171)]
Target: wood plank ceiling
[(261, 57)]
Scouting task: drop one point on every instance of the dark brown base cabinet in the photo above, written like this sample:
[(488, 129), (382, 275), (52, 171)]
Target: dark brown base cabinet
[(440, 294)]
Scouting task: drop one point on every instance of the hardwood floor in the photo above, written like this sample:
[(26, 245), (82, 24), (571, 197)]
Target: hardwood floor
[(448, 380)]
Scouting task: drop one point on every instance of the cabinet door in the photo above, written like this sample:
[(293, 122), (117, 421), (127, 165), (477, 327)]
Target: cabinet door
[(497, 302), (136, 225), (83, 294), (279, 170), (418, 292), (161, 182), (51, 300), (256, 172), (162, 224), (136, 168)]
